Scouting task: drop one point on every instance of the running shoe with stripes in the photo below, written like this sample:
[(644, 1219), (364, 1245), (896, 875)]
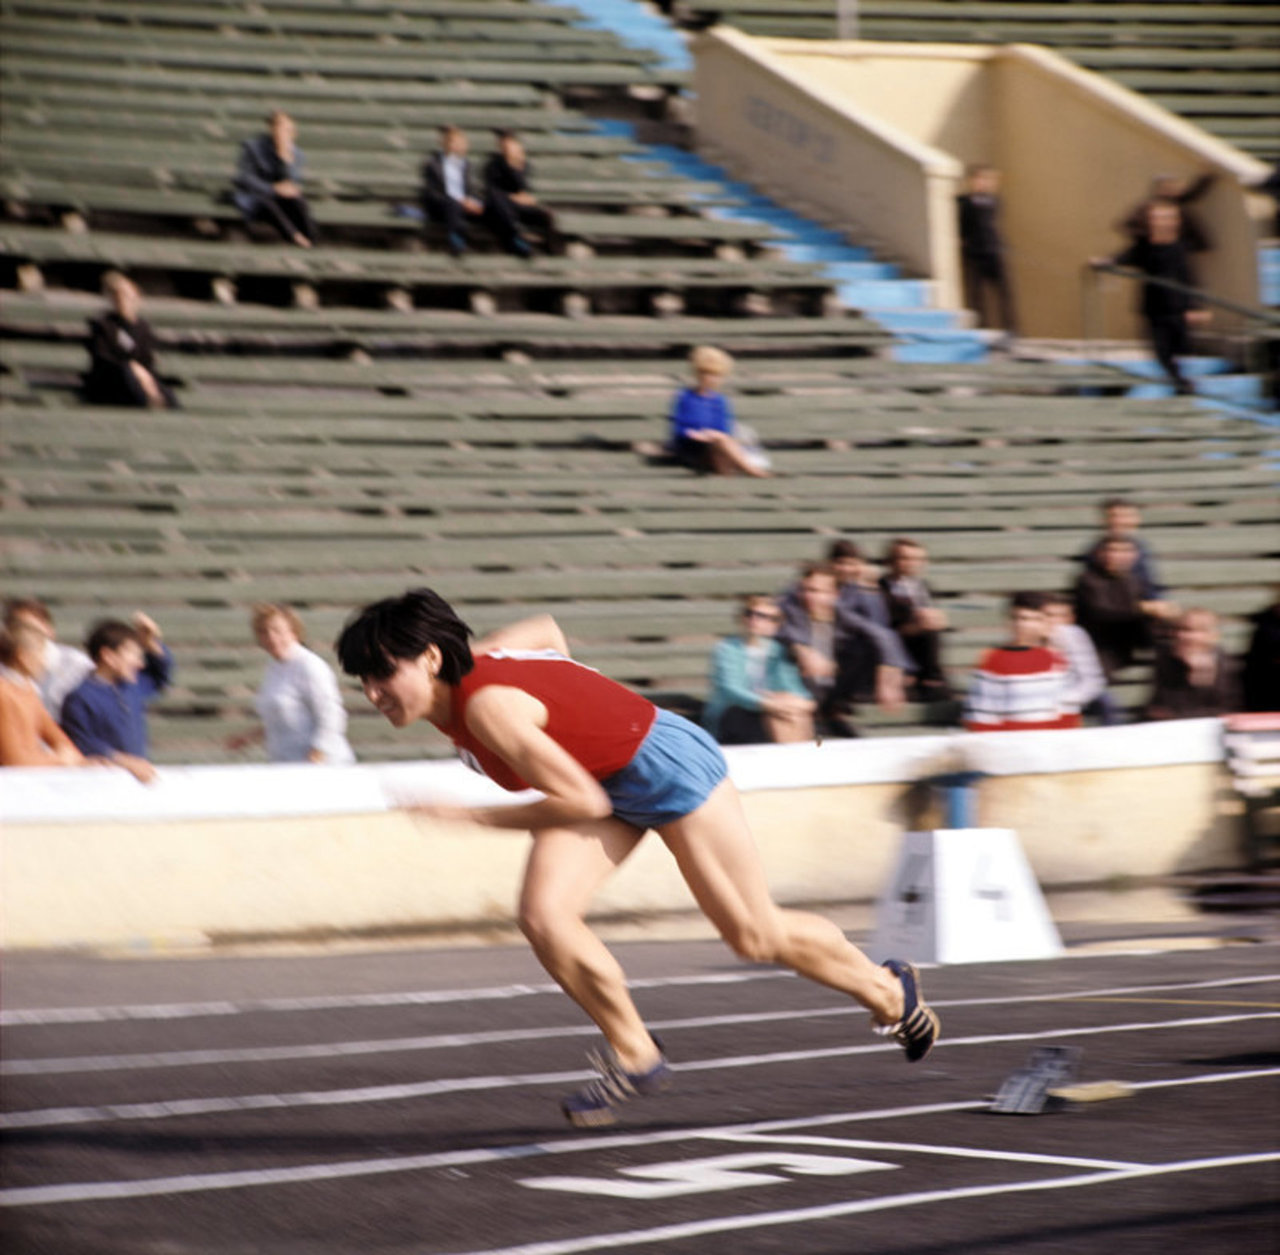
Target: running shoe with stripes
[(594, 1105), (919, 1027)]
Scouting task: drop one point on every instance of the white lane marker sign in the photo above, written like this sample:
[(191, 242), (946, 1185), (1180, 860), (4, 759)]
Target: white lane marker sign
[(704, 1176)]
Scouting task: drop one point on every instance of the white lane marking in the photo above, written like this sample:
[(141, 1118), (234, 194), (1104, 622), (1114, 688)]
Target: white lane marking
[(925, 1148), (218, 1105), (335, 1002), (681, 1177), (93, 1191), (730, 1172), (594, 1144), (441, 1041), (833, 1211), (35, 1016)]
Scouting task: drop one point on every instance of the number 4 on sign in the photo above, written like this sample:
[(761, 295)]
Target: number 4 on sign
[(702, 1176)]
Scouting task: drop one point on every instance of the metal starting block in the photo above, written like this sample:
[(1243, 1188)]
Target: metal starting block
[(1027, 1092)]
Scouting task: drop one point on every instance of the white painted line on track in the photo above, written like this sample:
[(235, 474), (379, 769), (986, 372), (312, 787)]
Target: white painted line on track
[(595, 1144), (221, 1105), (441, 1041), (923, 1148), (39, 1016), (834, 1211), (336, 1002)]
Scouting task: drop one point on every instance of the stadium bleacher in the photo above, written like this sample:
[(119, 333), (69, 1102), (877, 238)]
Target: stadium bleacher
[(375, 414)]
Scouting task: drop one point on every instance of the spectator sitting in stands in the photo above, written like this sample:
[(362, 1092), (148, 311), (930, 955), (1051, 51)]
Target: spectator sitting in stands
[(122, 352), (509, 203), (841, 660), (915, 616), (448, 190), (28, 735), (106, 716), (861, 609), (1193, 678), (1086, 681), (1169, 312), (63, 666), (268, 182), (1261, 675), (299, 703), (1122, 519), (756, 694), (1111, 608), (1170, 187), (703, 434), (1022, 686), (982, 248)]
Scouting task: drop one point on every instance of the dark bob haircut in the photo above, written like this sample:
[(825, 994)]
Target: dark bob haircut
[(376, 638)]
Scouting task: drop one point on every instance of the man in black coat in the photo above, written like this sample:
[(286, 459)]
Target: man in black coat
[(509, 202), (1169, 312), (982, 248), (448, 191), (268, 182), (122, 365)]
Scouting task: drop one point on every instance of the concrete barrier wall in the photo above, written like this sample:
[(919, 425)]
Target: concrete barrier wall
[(812, 145), (90, 858), (876, 136)]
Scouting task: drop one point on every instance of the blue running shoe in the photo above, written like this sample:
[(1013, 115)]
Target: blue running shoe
[(594, 1106), (919, 1027)]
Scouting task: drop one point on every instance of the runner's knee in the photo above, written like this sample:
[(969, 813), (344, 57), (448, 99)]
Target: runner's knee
[(754, 941)]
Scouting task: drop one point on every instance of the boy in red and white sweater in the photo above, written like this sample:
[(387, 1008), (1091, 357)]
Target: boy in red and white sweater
[(1024, 685)]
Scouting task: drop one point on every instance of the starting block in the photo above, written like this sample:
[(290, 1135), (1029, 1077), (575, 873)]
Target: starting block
[(1028, 1091), (963, 895), (1047, 1082)]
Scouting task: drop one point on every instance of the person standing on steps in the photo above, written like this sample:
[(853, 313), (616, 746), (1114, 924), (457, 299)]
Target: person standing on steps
[(610, 765)]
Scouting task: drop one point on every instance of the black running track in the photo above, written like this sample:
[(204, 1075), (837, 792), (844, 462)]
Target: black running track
[(406, 1102)]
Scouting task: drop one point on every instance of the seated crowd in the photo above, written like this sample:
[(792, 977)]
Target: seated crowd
[(843, 634)]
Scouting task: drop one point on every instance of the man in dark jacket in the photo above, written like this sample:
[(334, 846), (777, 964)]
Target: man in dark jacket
[(1111, 608), (122, 358), (1169, 311), (448, 191), (509, 203), (1194, 679), (268, 182), (982, 247), (1262, 661)]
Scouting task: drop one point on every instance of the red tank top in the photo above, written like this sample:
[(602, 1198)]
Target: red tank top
[(598, 721)]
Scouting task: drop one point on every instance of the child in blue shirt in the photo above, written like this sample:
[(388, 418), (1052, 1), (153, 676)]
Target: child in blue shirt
[(106, 716), (702, 434)]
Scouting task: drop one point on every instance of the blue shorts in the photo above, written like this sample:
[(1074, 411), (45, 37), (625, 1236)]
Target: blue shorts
[(675, 770)]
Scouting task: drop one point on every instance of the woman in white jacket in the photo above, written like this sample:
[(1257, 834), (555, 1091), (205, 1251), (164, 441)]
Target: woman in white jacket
[(299, 703)]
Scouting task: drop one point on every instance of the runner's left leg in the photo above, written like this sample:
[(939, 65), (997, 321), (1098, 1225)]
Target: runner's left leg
[(717, 856)]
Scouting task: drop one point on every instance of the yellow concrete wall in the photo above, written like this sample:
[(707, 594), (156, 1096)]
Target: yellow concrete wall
[(889, 128), (1079, 153), (816, 147), (166, 883)]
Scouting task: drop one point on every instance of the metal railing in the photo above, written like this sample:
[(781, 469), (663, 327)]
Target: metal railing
[(1261, 338)]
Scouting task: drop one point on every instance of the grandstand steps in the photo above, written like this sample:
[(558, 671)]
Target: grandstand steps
[(333, 454)]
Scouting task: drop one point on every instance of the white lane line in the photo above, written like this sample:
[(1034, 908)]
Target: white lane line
[(835, 1211), (923, 1148), (594, 1144), (441, 1041), (38, 1016), (219, 1105), (335, 1002)]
